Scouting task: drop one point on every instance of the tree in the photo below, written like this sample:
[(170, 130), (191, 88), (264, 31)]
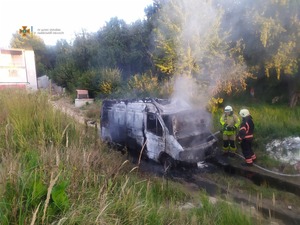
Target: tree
[(114, 45), (83, 48), (35, 43), (65, 73), (139, 59), (190, 41), (279, 30), (270, 32)]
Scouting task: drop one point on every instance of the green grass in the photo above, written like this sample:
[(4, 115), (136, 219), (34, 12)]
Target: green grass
[(271, 122), (54, 171)]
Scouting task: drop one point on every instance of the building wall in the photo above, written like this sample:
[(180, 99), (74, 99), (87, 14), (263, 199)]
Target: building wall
[(17, 68), (31, 70)]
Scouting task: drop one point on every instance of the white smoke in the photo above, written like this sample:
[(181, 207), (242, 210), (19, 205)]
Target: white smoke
[(201, 47), (184, 89)]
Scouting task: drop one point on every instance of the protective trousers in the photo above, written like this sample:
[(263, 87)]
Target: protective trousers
[(248, 153), (229, 143)]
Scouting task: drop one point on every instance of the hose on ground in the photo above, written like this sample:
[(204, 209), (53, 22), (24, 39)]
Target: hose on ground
[(270, 171)]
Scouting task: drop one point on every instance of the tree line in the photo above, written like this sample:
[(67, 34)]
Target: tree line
[(223, 47)]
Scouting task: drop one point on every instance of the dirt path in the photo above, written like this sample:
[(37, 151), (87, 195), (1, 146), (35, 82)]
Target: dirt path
[(66, 105)]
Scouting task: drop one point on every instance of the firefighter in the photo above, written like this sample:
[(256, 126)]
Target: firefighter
[(245, 137), (230, 123)]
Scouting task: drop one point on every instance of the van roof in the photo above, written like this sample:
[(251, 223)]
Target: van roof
[(165, 106)]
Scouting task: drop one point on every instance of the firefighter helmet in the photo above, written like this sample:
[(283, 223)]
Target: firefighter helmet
[(244, 112), (228, 109)]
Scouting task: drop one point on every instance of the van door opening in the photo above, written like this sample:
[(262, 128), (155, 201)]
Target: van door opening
[(155, 136)]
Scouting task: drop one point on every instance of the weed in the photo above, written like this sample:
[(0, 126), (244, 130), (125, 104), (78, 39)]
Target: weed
[(52, 173)]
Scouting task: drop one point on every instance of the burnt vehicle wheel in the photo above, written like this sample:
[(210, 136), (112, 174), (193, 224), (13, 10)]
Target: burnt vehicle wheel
[(113, 145), (211, 152), (108, 142), (167, 161)]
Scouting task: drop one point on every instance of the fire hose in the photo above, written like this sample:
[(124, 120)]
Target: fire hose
[(270, 171), (254, 164), (213, 135)]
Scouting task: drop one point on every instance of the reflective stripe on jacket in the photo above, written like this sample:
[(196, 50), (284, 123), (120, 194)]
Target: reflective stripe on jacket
[(246, 129), (232, 121)]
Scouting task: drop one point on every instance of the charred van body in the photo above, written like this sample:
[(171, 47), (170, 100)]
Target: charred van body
[(162, 129)]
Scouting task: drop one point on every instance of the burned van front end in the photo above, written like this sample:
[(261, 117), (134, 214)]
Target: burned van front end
[(190, 129)]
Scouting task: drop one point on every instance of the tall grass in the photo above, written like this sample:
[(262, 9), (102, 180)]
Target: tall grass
[(54, 171), (28, 119), (271, 122), (275, 121)]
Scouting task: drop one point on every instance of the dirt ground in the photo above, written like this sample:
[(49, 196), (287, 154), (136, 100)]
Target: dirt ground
[(284, 213), (82, 115)]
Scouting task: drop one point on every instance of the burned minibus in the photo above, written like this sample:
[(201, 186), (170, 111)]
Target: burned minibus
[(161, 129)]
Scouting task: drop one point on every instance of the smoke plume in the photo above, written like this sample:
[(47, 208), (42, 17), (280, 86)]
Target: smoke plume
[(203, 65)]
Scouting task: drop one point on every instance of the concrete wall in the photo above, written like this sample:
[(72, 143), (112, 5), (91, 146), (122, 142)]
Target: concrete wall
[(43, 82), (82, 102)]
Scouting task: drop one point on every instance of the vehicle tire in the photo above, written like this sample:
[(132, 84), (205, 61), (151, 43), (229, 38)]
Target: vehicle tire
[(107, 140), (167, 161)]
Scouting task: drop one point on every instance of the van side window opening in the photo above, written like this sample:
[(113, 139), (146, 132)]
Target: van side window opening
[(168, 122), (153, 125), (171, 123)]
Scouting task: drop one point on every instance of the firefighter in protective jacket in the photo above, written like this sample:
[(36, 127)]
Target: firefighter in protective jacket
[(245, 137), (230, 123)]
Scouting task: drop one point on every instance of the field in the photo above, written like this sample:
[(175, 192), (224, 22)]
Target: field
[(55, 170)]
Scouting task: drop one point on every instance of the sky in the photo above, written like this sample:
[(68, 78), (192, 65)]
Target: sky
[(62, 19)]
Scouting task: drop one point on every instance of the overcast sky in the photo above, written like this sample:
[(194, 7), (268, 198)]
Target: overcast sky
[(65, 16)]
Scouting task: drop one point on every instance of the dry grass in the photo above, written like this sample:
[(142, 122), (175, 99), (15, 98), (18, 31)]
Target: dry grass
[(89, 183)]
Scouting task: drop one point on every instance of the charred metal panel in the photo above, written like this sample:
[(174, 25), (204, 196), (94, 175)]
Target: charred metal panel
[(118, 127), (155, 135), (173, 148), (155, 145), (135, 125)]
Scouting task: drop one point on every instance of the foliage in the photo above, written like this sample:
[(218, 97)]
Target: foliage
[(102, 82), (143, 86), (265, 117), (63, 179), (65, 73), (110, 81), (270, 33), (31, 121), (271, 122), (279, 32), (27, 127), (202, 39), (214, 104), (124, 47), (35, 43), (210, 215), (83, 49), (183, 48)]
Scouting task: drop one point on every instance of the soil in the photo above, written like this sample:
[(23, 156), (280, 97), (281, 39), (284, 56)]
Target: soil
[(194, 179), (66, 105)]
